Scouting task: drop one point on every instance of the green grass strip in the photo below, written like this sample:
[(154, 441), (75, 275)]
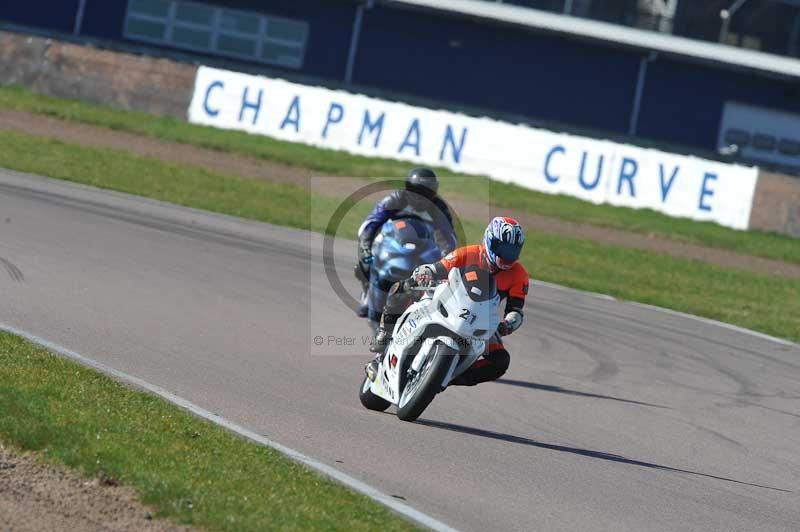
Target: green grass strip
[(765, 303), (189, 470), (769, 245)]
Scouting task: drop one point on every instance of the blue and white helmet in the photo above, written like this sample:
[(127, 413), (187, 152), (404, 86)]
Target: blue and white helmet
[(503, 242)]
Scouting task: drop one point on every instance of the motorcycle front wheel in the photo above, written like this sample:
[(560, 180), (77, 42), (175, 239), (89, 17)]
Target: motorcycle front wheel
[(420, 391), (369, 399)]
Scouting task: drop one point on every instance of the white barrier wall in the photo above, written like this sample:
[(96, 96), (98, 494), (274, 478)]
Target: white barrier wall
[(557, 163)]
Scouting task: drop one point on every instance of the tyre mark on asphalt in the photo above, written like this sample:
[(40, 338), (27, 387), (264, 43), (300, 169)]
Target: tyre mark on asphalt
[(679, 349), (680, 345), (153, 221), (739, 402), (605, 367), (12, 270), (559, 389), (646, 328), (714, 433), (589, 453)]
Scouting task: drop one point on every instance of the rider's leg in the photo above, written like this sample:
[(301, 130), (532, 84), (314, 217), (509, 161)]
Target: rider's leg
[(397, 301), (491, 367), (362, 274)]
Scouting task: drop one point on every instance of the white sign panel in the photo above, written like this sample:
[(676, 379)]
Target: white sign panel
[(556, 163)]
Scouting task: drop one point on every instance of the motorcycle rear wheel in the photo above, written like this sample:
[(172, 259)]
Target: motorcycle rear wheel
[(431, 375)]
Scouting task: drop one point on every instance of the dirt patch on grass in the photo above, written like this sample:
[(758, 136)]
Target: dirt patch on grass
[(173, 152), (35, 497), (253, 168)]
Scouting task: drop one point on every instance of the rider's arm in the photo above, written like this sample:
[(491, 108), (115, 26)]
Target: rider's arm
[(439, 270), (515, 302), (443, 226), (455, 259), (383, 210)]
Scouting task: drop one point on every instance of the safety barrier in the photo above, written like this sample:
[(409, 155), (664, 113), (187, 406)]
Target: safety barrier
[(594, 170)]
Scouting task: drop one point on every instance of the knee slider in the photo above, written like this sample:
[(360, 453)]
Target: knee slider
[(500, 359)]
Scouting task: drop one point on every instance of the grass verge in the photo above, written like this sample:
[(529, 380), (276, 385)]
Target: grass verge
[(189, 470), (765, 303), (769, 245)]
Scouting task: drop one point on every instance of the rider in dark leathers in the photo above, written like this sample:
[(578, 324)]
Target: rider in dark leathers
[(419, 199)]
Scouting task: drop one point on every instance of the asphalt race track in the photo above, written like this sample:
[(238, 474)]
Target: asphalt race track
[(612, 416)]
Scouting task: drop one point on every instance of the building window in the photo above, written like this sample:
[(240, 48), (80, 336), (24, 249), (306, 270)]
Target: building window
[(220, 31)]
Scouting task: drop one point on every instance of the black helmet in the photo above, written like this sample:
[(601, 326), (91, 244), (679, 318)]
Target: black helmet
[(422, 181)]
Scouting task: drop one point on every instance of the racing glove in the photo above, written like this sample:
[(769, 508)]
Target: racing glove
[(423, 275), (365, 258), (362, 268), (365, 250), (510, 324)]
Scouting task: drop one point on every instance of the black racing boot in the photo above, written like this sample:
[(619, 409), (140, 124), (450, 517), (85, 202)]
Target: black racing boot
[(382, 339), (362, 274), (462, 381), (371, 369), (378, 346), (363, 308)]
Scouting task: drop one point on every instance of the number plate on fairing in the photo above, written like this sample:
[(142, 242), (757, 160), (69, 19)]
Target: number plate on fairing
[(381, 386)]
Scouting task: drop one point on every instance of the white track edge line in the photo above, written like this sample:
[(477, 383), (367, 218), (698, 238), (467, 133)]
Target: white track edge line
[(665, 310), (331, 472)]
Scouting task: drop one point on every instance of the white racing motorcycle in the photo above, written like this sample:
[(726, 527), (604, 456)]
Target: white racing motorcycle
[(435, 340)]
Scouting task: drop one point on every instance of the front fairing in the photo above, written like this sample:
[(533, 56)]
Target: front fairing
[(401, 246), (462, 315), (397, 252)]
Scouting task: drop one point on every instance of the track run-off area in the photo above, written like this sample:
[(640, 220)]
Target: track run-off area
[(613, 416)]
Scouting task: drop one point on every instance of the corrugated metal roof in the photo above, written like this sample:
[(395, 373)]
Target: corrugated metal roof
[(616, 34)]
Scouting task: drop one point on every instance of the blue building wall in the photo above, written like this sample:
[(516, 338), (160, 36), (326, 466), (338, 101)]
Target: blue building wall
[(501, 68), (682, 102), (104, 18), (47, 14), (483, 66)]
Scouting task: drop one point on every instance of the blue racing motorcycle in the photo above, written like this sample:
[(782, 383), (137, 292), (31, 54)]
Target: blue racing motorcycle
[(402, 245)]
